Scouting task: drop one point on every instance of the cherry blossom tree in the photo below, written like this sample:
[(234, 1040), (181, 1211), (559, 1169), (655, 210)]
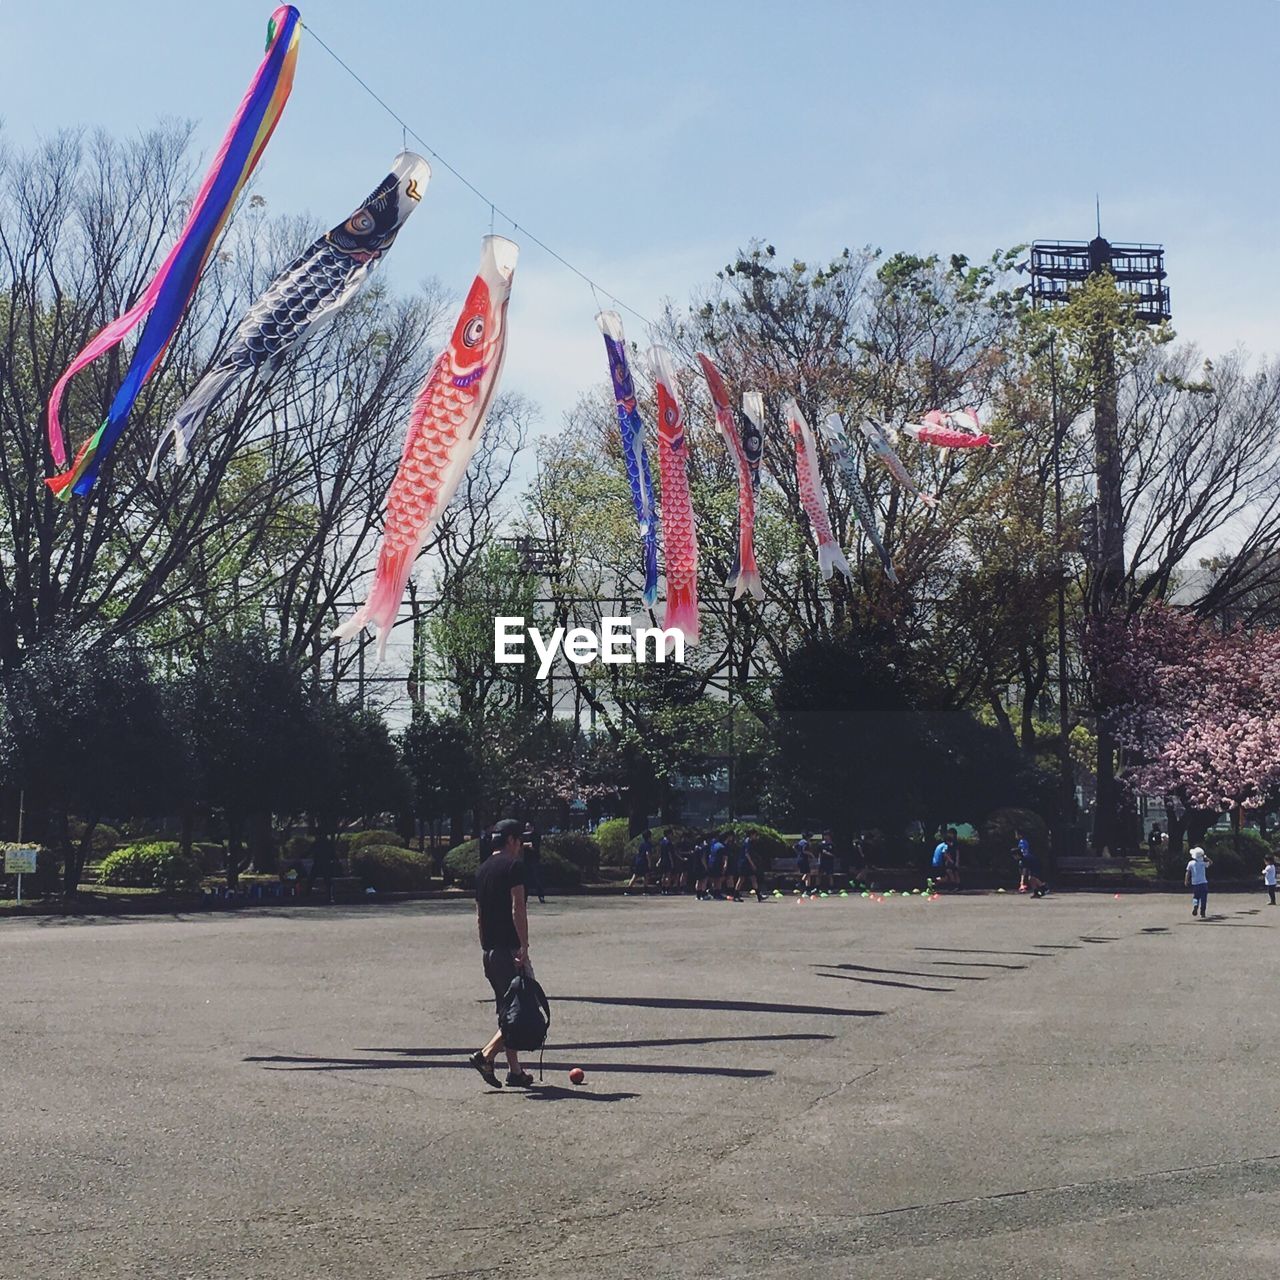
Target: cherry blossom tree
[(1195, 711)]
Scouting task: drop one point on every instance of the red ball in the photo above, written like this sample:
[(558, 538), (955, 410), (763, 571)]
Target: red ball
[(577, 1075)]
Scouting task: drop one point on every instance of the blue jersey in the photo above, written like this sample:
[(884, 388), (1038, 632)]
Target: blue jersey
[(940, 854)]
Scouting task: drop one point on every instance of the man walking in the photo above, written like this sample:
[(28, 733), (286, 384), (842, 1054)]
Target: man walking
[(503, 923)]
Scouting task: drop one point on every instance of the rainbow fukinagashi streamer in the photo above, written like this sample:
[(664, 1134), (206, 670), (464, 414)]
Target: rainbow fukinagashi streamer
[(165, 300)]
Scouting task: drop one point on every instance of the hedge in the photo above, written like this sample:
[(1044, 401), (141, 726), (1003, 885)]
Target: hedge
[(161, 864), (462, 861), (390, 869), (581, 850), (612, 837), (353, 841)]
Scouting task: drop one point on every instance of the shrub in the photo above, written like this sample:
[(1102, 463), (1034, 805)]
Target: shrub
[(105, 838), (354, 841), (1230, 863), (996, 839), (390, 869), (161, 864), (463, 860), (582, 851), (612, 838)]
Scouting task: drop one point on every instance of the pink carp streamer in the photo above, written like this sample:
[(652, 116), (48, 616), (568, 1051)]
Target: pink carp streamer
[(445, 425), (958, 430), (809, 482), (745, 445), (679, 534), (883, 452)]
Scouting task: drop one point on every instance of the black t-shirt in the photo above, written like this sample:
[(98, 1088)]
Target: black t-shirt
[(494, 881)]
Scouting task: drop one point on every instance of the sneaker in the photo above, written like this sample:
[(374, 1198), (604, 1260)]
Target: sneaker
[(485, 1067), (519, 1080)]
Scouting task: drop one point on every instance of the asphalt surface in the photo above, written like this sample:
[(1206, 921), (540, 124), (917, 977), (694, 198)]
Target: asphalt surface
[(975, 1087)]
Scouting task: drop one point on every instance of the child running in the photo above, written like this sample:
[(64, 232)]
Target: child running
[(1269, 877)]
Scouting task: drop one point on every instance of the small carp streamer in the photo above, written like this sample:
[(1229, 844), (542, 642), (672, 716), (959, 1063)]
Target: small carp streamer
[(958, 430), (445, 425), (833, 433), (165, 300), (884, 454), (679, 534), (633, 447), (308, 293), (809, 482), (745, 443)]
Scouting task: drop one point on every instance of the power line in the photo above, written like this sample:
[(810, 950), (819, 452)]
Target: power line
[(409, 131)]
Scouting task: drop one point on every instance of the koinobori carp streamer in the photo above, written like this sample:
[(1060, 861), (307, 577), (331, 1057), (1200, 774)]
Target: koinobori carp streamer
[(833, 433), (812, 498), (164, 302), (633, 447), (308, 293), (679, 532), (745, 443), (445, 425)]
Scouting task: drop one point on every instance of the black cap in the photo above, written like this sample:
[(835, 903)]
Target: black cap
[(506, 829)]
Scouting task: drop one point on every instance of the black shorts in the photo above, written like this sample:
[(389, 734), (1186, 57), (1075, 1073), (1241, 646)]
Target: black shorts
[(827, 866), (500, 968)]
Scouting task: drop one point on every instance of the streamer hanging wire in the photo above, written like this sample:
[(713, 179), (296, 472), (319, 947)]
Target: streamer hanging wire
[(410, 131)]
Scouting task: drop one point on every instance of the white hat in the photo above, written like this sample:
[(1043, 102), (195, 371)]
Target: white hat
[(1198, 853)]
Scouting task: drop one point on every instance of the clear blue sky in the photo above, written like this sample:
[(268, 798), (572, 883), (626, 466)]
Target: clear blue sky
[(647, 141)]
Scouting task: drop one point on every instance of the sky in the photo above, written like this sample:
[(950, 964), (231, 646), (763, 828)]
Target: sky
[(647, 142)]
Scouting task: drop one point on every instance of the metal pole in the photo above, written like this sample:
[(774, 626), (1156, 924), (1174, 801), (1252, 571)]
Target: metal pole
[(22, 807)]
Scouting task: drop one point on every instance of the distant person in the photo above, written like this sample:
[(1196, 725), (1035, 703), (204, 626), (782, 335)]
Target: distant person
[(532, 843), (748, 872), (802, 863), (666, 864), (698, 870), (951, 860), (939, 861), (717, 866), (641, 863), (1029, 866), (503, 925), (1269, 877), (859, 872), (826, 862), (1197, 880), (486, 842), (1155, 841)]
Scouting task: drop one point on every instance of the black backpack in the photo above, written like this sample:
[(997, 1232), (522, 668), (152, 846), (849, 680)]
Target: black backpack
[(526, 1015)]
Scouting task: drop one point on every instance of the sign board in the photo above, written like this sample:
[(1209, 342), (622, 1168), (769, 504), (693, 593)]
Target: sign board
[(20, 862)]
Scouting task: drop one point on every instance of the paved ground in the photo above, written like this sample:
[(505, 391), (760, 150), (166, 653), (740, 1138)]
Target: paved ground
[(981, 1087)]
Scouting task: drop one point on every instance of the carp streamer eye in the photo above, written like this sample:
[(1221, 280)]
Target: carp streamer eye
[(473, 332), (670, 416), (360, 223)]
